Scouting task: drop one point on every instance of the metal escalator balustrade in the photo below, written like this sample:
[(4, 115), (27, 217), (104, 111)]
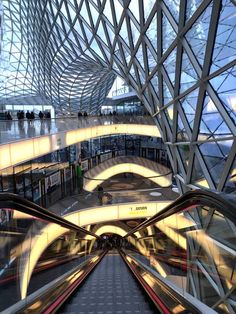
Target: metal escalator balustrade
[(189, 248), (31, 280)]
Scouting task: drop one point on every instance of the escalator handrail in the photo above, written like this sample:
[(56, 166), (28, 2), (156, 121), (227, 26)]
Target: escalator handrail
[(14, 201), (157, 176), (225, 204)]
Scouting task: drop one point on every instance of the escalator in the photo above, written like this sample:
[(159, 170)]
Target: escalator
[(110, 288), (183, 258)]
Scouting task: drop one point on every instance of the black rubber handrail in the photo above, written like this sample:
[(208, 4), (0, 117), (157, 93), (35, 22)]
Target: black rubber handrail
[(13, 201), (100, 179), (224, 203)]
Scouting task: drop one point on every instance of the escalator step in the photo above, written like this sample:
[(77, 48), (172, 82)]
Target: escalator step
[(109, 289)]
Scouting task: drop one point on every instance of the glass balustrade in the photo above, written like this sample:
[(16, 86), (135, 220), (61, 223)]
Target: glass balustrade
[(37, 254), (192, 250), (13, 130)]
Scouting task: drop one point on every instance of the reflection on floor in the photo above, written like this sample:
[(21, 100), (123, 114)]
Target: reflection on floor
[(122, 188)]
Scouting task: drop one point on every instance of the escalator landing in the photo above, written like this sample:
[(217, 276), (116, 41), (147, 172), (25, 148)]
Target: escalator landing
[(110, 288)]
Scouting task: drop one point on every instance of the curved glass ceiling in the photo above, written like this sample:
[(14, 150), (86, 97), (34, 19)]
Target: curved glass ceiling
[(178, 56)]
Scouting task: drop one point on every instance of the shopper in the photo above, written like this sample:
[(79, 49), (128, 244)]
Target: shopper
[(100, 194), (28, 116), (41, 115), (32, 116), (9, 117)]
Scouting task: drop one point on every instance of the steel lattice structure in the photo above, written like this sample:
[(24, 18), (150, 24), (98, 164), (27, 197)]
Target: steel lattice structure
[(179, 57)]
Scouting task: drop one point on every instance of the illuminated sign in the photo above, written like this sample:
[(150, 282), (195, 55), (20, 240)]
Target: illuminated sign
[(138, 210)]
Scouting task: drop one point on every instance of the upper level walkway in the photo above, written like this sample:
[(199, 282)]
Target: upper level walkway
[(25, 140), (17, 130)]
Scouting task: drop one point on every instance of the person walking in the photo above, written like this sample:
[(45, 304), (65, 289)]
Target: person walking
[(40, 115), (27, 115), (100, 195)]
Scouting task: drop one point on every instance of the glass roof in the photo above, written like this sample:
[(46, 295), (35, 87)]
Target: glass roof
[(178, 56)]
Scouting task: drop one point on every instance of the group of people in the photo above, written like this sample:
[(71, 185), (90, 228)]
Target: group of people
[(44, 115), (113, 113), (31, 116), (80, 114), (85, 114), (8, 115)]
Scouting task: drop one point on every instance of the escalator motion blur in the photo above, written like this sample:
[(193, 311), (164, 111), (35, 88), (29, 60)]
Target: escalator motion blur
[(110, 288)]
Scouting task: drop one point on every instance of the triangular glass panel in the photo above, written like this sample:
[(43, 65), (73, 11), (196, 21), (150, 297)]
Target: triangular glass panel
[(107, 12), (146, 94), (66, 26), (84, 13), (123, 31), (174, 7), (100, 31), (170, 64), (170, 114), (224, 85), (148, 5), (212, 124), (167, 97), (230, 185), (132, 71), (139, 56), (63, 10), (181, 131), (151, 32), (77, 27), (155, 96), (127, 54), (88, 32), (94, 14), (189, 105), (110, 33), (184, 151), (54, 9), (118, 10), (141, 75), (154, 82), (188, 74), (134, 9), (225, 40), (192, 7), (150, 59), (198, 177), (94, 45), (136, 75), (198, 33), (107, 53), (135, 32), (72, 11), (168, 33), (117, 51), (215, 155)]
